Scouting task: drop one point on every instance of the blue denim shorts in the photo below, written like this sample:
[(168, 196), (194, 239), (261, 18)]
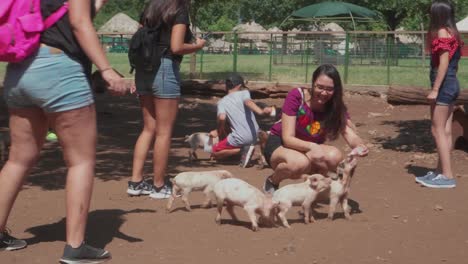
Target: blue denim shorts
[(49, 80), (166, 84), (449, 89)]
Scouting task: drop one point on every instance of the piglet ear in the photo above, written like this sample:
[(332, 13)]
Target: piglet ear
[(313, 182)]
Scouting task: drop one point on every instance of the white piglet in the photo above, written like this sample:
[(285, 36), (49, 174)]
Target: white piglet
[(236, 192), (339, 189), (199, 140), (196, 181), (303, 194)]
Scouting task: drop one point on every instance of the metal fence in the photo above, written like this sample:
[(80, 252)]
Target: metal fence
[(363, 57)]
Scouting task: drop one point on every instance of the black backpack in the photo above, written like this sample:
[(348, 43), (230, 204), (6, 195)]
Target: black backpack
[(145, 51)]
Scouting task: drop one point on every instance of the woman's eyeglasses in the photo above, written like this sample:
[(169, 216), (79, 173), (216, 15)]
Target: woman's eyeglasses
[(323, 88)]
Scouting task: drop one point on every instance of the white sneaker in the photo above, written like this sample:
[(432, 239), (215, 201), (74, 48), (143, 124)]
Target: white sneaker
[(162, 193), (247, 152)]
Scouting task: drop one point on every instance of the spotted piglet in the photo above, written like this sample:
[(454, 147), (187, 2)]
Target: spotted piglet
[(194, 181), (236, 192)]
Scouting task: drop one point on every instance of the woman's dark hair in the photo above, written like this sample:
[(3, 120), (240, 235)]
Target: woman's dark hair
[(442, 15), (335, 109), (162, 11)]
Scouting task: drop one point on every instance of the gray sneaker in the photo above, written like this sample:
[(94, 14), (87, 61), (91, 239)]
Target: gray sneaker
[(162, 192), (429, 176), (140, 188), (440, 181), (9, 243), (247, 152), (84, 254), (269, 187)]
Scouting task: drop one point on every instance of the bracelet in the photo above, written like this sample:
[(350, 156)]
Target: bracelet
[(105, 69)]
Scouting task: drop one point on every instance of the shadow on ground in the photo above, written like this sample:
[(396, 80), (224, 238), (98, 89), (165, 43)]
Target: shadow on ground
[(413, 136), (119, 125), (99, 234)]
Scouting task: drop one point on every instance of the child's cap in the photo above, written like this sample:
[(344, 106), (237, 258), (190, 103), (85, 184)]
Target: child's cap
[(233, 80)]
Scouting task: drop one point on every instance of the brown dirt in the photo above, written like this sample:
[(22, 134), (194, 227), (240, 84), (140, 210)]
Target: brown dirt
[(394, 219)]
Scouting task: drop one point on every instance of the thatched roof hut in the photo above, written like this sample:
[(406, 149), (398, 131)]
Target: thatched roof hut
[(120, 23), (251, 27)]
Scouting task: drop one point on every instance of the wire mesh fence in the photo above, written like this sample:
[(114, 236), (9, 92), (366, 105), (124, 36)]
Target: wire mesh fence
[(362, 57)]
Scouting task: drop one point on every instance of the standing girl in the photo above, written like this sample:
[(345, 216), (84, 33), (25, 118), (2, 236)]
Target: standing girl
[(445, 44), (52, 87), (159, 94)]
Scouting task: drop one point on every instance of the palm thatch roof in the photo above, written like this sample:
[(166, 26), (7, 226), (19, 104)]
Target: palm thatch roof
[(251, 27), (120, 23)]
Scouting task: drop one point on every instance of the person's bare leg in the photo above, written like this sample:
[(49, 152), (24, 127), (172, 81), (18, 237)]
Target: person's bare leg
[(288, 164), (333, 157), (28, 128), (441, 116), (76, 130), (146, 138), (166, 113), (226, 153)]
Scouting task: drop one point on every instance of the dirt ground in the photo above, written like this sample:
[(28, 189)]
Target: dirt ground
[(394, 219)]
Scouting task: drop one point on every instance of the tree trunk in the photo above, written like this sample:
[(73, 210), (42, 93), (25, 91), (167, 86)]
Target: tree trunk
[(416, 95), (216, 88), (460, 128)]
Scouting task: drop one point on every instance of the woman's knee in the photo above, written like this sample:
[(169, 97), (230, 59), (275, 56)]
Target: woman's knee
[(333, 157), (293, 169), (22, 157), (149, 129)]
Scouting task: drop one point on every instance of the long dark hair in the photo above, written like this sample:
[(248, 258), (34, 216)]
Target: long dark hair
[(162, 11), (442, 16), (335, 109)]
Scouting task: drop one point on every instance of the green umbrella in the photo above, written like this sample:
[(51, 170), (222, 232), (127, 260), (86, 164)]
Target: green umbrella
[(336, 11)]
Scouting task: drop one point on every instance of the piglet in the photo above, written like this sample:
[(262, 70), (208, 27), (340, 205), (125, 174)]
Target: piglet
[(196, 180), (199, 140), (339, 188), (303, 194), (238, 192)]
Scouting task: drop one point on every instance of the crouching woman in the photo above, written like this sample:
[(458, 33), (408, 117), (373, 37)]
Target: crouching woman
[(310, 117)]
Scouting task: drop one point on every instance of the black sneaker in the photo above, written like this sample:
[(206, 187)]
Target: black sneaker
[(270, 187), (140, 188), (84, 254), (10, 243)]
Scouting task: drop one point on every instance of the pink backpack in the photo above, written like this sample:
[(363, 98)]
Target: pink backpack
[(21, 25)]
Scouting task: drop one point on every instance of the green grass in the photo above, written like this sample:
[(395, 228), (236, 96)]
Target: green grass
[(256, 68)]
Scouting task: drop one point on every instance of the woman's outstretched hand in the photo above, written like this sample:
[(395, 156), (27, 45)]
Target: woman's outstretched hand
[(361, 150)]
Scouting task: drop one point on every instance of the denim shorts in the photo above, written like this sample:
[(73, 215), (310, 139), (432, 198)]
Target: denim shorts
[(49, 80), (166, 84), (449, 89)]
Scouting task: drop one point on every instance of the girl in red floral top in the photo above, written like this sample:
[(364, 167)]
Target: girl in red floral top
[(445, 44)]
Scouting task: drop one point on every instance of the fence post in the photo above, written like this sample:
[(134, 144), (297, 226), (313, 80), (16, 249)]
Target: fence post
[(201, 62), (307, 60), (389, 48), (271, 58), (234, 62), (346, 58)]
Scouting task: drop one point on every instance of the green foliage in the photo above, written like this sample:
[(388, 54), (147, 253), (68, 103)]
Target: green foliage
[(224, 23), (222, 15)]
